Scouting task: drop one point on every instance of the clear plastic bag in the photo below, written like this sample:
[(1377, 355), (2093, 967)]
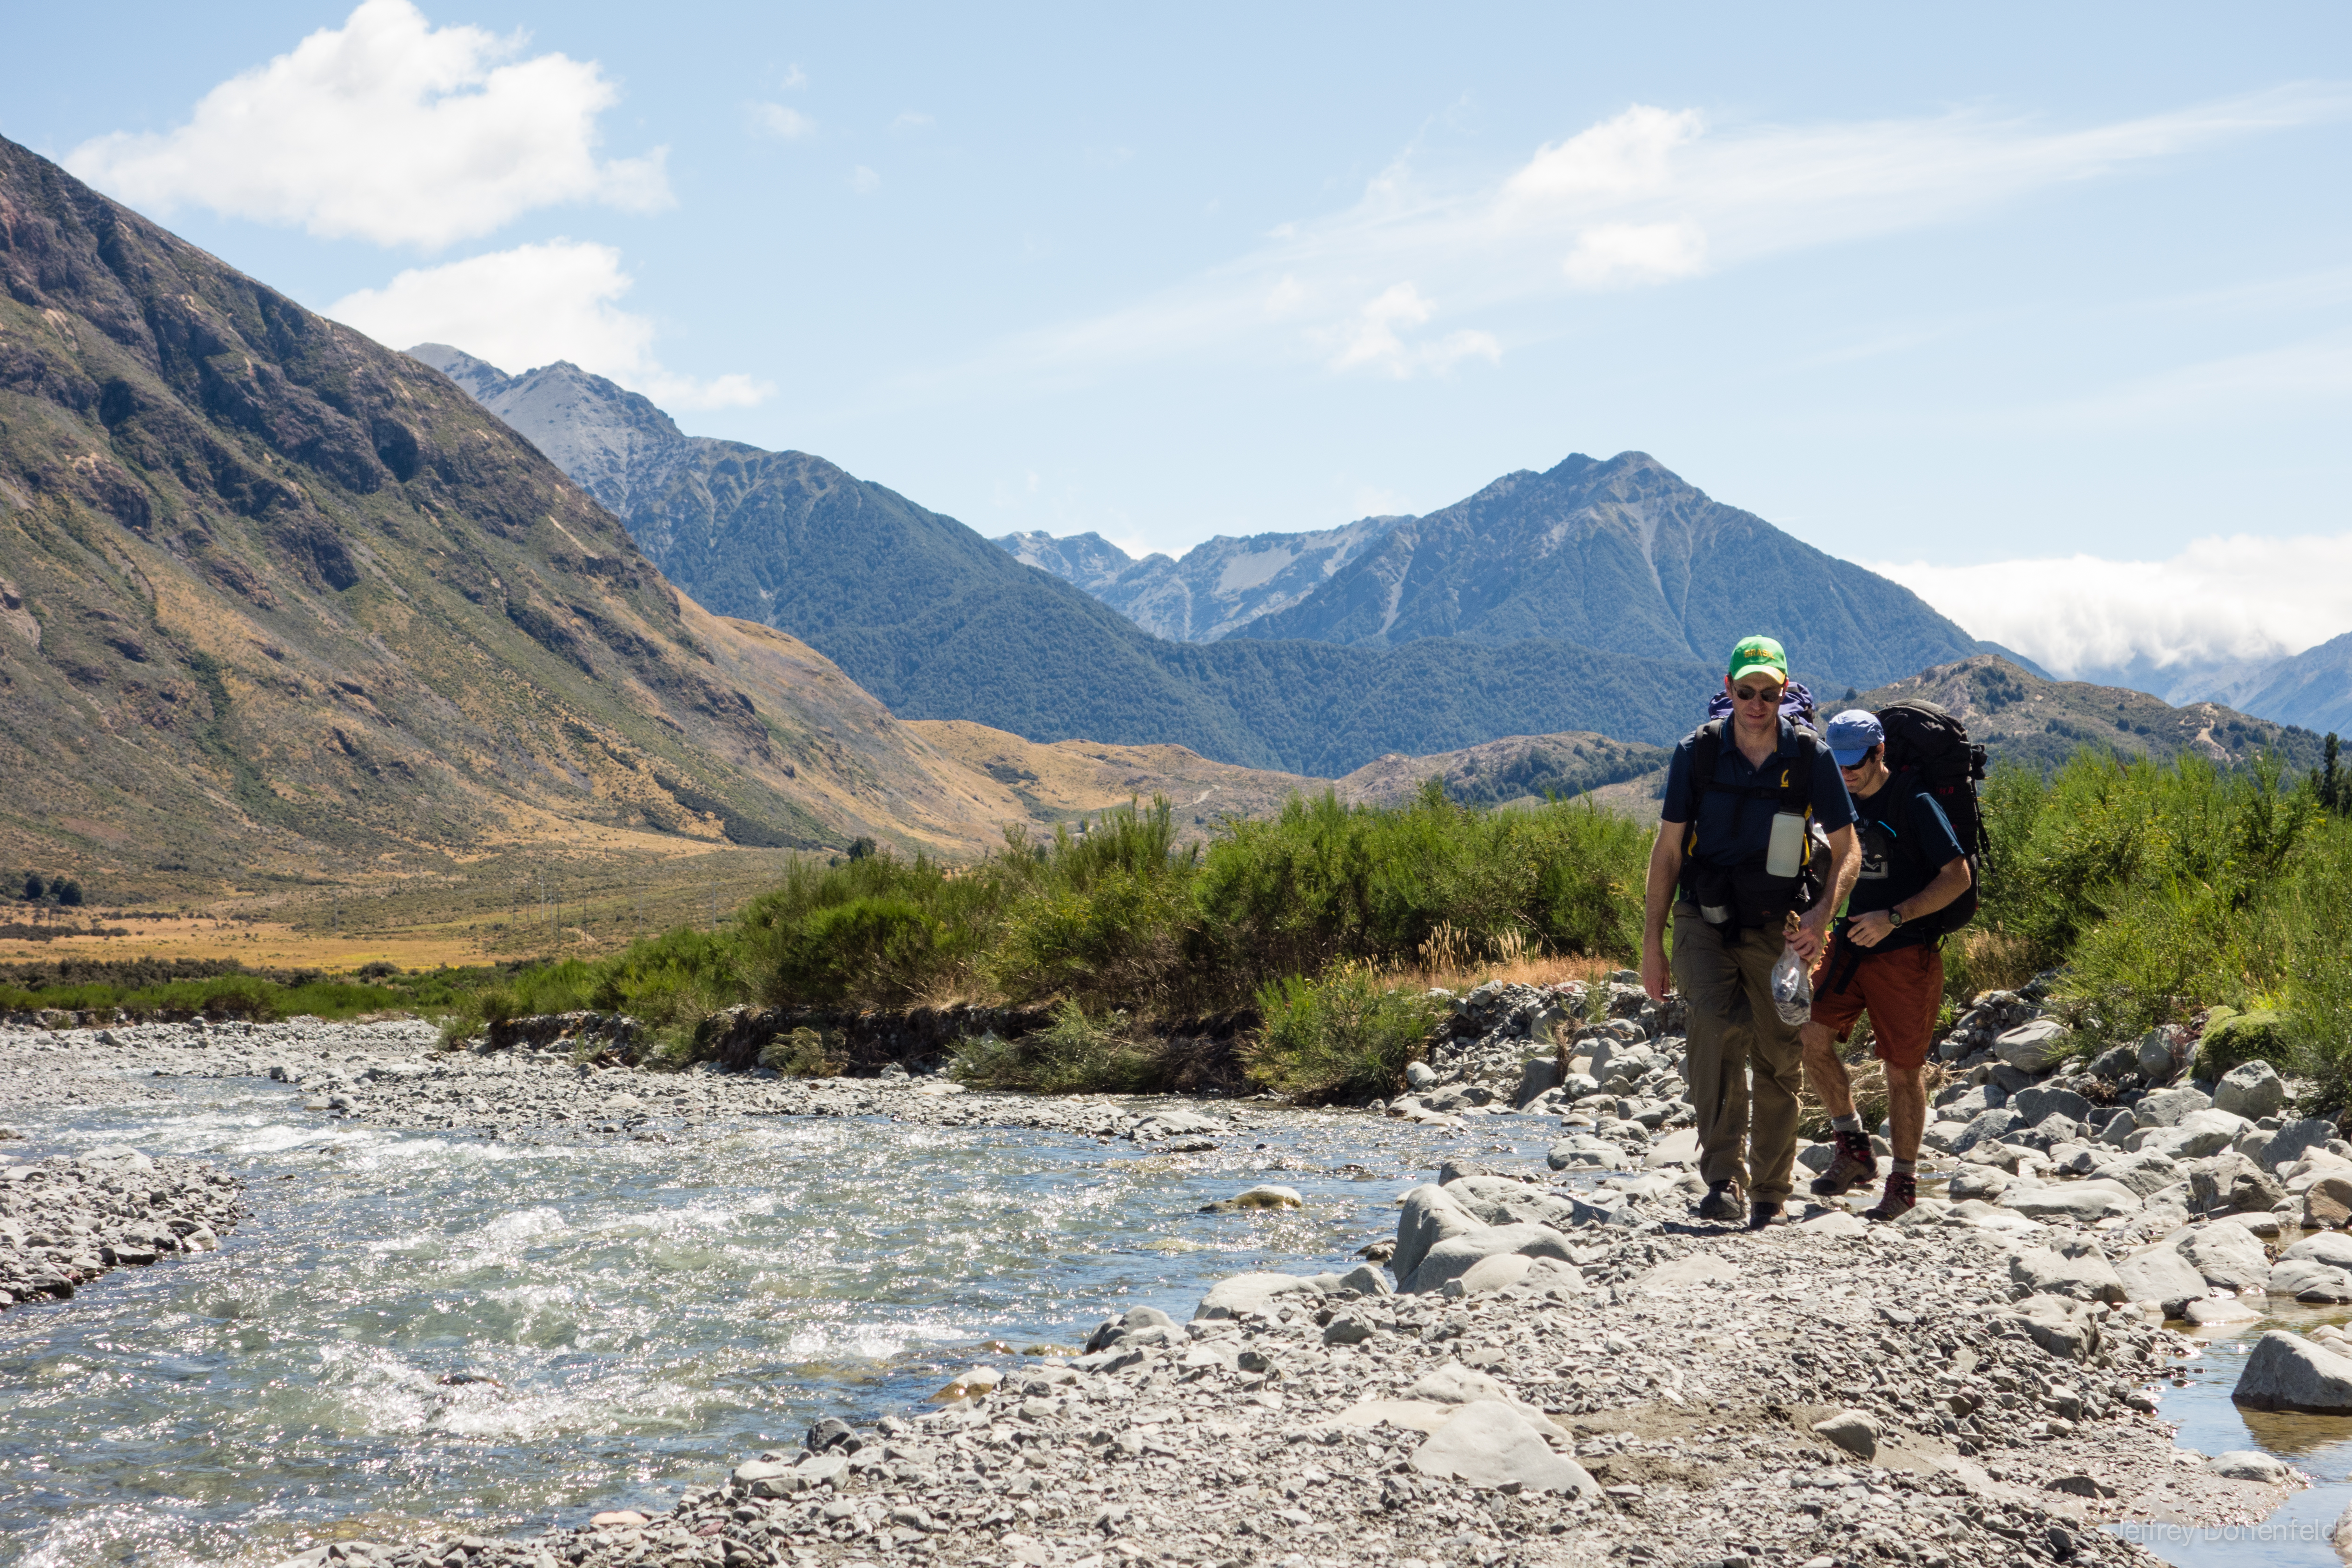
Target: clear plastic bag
[(1792, 988)]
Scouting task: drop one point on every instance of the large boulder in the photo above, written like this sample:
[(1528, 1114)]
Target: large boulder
[(2201, 1134), (2307, 1280), (2043, 1272), (2230, 1183), (2030, 1048), (2043, 1101), (2160, 1051), (1504, 1200), (2327, 1247), (2327, 1201), (2287, 1371), (2084, 1202), (2227, 1254), (2251, 1089), (2161, 1275), (2233, 1039), (1537, 1074), (1428, 1216), (2145, 1173), (1244, 1294), (1453, 1258), (1491, 1445), (2297, 1139), (2059, 1324), (2167, 1107), (1987, 1126)]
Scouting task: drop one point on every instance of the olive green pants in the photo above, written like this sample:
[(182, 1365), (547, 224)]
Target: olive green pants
[(1735, 1031)]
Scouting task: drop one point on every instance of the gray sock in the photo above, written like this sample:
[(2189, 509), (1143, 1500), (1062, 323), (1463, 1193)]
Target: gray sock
[(1847, 1124), (1907, 1168)]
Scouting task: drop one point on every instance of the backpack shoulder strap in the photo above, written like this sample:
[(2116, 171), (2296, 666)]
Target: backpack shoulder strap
[(1706, 752)]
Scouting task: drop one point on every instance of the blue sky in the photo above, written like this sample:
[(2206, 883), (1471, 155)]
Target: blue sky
[(1941, 295)]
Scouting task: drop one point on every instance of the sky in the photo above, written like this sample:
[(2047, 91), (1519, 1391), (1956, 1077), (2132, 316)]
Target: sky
[(2044, 311)]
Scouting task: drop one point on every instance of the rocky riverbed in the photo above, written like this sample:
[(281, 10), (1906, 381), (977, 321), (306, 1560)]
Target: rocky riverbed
[(1574, 1370), (65, 1221)]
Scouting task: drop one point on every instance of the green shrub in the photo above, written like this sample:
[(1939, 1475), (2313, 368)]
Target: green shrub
[(1074, 1055), (803, 1053), (1345, 1036)]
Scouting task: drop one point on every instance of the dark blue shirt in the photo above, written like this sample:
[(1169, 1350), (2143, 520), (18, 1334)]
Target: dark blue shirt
[(1905, 841), (1733, 830)]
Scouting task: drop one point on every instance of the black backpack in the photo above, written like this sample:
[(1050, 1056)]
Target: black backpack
[(1931, 750)]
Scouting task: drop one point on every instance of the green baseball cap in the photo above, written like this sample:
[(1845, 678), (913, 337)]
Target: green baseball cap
[(1760, 655)]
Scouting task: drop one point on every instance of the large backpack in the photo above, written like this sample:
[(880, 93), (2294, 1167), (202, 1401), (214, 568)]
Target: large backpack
[(1932, 749)]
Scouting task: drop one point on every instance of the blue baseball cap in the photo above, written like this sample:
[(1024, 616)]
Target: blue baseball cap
[(1852, 735)]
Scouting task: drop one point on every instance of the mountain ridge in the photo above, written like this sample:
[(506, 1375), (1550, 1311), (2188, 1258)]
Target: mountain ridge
[(277, 601)]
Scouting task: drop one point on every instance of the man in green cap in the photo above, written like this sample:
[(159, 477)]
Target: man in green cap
[(1756, 849)]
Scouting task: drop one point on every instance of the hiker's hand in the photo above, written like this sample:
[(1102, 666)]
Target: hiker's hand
[(1869, 930), (1807, 937), (1653, 970)]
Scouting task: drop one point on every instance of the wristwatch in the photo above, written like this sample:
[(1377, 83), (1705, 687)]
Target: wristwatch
[(1894, 917)]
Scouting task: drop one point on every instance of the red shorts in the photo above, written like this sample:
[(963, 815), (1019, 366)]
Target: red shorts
[(1901, 991)]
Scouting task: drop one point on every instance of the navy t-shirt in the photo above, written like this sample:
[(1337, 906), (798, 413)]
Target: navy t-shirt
[(1906, 840), (1733, 830)]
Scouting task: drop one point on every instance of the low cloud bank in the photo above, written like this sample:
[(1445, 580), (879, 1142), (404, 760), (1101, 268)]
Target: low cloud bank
[(2221, 601)]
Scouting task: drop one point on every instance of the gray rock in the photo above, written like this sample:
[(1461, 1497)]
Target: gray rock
[(2249, 1465), (2201, 1133), (2042, 1101), (1349, 1328), (2287, 1371), (1429, 1214), (2307, 1280), (2162, 1275), (2154, 1055), (1453, 1257), (1987, 1126), (2252, 1090), (2059, 1325), (2030, 1048), (1536, 1075), (2167, 1107), (1263, 1195), (2331, 1247), (1246, 1293), (1366, 1279), (1491, 1445), (2297, 1139), (1420, 1074), (2115, 1061), (1852, 1430), (2040, 1270), (2145, 1174), (2227, 1254), (2230, 1183), (2085, 1203)]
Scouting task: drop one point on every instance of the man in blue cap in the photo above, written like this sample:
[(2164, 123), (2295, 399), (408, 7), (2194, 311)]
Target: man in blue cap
[(1739, 866), (1882, 959)]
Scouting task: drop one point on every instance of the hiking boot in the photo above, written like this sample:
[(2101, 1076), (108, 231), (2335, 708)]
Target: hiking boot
[(1854, 1165), (1902, 1195), (1721, 1202), (1763, 1213)]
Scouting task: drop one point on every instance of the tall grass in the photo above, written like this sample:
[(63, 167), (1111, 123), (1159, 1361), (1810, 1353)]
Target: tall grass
[(1346, 1035)]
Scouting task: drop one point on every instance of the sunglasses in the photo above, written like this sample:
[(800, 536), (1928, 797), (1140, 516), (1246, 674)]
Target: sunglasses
[(1756, 693)]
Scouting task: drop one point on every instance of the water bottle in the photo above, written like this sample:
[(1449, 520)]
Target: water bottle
[(1792, 988), (1786, 851)]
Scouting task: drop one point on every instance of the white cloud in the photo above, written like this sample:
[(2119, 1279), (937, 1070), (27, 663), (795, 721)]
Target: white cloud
[(531, 306), (2221, 600), (1617, 156), (781, 120), (387, 130), (865, 181), (1651, 195), (1609, 256), (1373, 340)]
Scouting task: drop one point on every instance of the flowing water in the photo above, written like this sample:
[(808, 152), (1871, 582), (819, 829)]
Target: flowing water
[(413, 1328)]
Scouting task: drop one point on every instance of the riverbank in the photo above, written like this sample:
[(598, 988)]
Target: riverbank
[(1680, 1370)]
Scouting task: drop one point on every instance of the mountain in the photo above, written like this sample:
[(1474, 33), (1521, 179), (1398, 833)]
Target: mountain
[(1219, 585), (1624, 555), (941, 624), (2312, 688), (2022, 717), (277, 603)]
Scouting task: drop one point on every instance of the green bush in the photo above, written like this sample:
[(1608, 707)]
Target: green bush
[(1074, 1055), (1346, 1036)]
